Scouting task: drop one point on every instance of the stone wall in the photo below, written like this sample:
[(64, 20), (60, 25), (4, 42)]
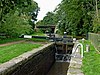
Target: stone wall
[(95, 39), (35, 62)]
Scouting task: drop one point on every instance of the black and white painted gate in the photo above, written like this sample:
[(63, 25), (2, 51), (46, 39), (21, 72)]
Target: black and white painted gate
[(63, 45)]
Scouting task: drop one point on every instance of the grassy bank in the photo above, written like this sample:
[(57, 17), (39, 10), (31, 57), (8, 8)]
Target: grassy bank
[(10, 40), (9, 52), (38, 40), (38, 33), (86, 42), (91, 60)]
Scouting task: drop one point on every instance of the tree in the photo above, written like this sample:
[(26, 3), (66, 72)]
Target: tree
[(18, 23), (77, 16), (96, 21), (49, 19)]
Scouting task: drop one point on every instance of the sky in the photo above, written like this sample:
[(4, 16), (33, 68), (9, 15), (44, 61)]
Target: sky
[(46, 6)]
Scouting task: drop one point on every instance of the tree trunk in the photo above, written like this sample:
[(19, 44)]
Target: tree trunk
[(97, 10)]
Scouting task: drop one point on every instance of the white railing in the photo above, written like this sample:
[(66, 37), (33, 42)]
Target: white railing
[(76, 49)]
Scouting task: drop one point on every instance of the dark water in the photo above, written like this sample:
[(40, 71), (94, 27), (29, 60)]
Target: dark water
[(59, 68)]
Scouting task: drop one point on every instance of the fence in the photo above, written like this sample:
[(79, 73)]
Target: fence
[(95, 39)]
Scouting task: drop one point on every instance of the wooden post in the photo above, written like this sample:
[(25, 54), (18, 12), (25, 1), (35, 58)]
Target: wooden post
[(64, 42), (64, 48)]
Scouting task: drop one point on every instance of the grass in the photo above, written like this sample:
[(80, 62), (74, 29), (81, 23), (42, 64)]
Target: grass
[(86, 42), (17, 39), (91, 60), (38, 40), (38, 33), (10, 40), (9, 52)]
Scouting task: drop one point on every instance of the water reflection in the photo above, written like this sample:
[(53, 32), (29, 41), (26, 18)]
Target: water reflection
[(59, 68)]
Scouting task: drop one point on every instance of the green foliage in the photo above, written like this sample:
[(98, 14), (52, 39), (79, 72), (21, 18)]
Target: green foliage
[(76, 17), (96, 24), (49, 19), (16, 16), (16, 26), (9, 52)]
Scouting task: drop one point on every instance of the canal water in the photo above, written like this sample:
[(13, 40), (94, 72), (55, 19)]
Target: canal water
[(59, 68)]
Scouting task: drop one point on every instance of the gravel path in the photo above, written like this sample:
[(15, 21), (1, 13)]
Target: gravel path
[(10, 43)]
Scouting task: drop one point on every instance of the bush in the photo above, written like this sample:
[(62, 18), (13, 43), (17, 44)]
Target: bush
[(15, 26)]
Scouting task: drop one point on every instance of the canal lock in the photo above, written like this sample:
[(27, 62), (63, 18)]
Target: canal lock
[(62, 58)]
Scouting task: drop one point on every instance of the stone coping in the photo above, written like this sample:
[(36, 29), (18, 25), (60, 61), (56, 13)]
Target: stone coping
[(17, 61), (75, 64)]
